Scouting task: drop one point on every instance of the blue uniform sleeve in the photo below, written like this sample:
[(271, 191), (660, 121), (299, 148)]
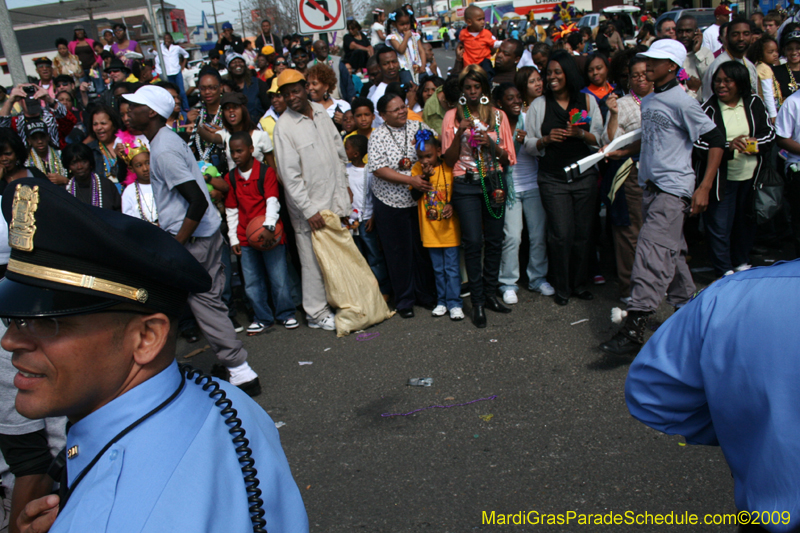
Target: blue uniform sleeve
[(665, 388)]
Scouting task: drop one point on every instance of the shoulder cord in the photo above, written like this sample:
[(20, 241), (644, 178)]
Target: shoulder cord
[(243, 450), (235, 428)]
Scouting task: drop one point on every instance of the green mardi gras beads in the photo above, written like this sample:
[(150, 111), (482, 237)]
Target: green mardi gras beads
[(482, 172)]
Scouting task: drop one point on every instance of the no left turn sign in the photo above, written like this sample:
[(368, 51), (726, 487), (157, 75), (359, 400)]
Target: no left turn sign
[(320, 16)]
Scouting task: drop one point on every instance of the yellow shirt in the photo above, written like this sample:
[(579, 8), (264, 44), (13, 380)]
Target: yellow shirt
[(267, 123), (443, 232), (742, 166)]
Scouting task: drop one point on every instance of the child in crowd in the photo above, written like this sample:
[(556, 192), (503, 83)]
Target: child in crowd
[(137, 198), (764, 53), (254, 193), (408, 44), (348, 123), (364, 235), (438, 227), (479, 43), (42, 155), (363, 114)]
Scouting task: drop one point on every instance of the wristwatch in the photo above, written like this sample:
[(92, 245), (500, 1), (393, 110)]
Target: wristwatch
[(270, 228)]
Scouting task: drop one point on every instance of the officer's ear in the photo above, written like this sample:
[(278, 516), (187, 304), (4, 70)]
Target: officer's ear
[(150, 334)]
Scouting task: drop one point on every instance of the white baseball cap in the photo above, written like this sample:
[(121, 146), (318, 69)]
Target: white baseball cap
[(156, 98), (666, 49)]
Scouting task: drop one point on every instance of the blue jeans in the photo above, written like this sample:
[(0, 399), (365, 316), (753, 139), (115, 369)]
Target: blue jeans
[(529, 205), (446, 45), (447, 272), (367, 243), (257, 267), (177, 79)]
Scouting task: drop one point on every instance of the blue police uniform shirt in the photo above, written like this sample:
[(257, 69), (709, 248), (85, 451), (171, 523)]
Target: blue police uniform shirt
[(178, 470), (725, 370)]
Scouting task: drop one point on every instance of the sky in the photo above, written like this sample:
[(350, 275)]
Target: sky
[(193, 9)]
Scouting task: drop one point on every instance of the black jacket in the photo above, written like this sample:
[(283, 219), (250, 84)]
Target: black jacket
[(759, 127)]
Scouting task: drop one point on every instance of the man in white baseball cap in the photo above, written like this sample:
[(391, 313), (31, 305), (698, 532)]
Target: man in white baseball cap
[(185, 210), (671, 122)]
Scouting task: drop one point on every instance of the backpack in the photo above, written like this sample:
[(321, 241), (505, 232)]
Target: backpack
[(262, 175)]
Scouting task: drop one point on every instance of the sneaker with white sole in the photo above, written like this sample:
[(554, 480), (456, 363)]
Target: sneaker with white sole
[(439, 310), (743, 267), (291, 323), (456, 313), (255, 328), (510, 297), (545, 289), (728, 273), (327, 323)]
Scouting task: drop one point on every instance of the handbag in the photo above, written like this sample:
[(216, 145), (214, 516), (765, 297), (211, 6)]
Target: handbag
[(766, 198)]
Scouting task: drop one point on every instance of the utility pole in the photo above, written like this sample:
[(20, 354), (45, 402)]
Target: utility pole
[(214, 10), (164, 16), (241, 16), (11, 47), (156, 37)]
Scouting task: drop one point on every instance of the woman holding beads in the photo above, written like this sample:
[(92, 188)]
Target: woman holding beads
[(478, 143), (209, 84), (562, 128)]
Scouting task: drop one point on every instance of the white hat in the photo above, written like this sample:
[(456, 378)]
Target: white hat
[(156, 98), (666, 49)]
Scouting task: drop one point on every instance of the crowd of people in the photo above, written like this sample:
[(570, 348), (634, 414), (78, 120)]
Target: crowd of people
[(435, 176)]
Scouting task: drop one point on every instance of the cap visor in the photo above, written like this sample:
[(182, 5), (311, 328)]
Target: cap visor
[(655, 54), (18, 300)]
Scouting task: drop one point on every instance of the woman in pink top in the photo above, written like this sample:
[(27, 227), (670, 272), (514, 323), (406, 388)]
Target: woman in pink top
[(478, 144)]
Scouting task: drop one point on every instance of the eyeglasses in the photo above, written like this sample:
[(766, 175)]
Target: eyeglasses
[(638, 76), (47, 327), (113, 70), (280, 63)]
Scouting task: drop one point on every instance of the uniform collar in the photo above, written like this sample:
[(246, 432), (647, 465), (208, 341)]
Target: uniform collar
[(317, 109), (93, 432)]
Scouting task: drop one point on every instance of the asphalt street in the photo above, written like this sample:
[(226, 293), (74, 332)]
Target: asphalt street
[(556, 437)]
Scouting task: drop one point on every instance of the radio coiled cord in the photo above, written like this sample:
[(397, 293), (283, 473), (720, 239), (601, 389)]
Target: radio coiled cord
[(243, 450)]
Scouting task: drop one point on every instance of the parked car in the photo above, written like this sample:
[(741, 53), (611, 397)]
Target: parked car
[(704, 15), (428, 28), (626, 13)]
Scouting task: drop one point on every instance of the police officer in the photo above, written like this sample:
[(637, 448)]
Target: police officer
[(91, 299)]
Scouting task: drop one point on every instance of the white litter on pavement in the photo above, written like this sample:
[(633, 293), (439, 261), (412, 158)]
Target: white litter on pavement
[(579, 321)]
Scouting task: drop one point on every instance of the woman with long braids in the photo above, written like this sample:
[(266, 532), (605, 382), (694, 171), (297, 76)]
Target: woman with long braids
[(562, 128), (478, 144)]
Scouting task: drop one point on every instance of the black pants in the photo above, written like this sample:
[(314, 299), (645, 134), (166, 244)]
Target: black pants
[(479, 231), (409, 265), (792, 189), (570, 209)]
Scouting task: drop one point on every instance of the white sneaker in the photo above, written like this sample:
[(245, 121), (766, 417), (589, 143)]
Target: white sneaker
[(743, 267), (545, 289), (510, 297), (327, 323), (456, 313), (439, 310), (255, 328), (728, 273), (290, 323)]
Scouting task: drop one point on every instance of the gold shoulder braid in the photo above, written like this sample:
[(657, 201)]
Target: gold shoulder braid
[(23, 221)]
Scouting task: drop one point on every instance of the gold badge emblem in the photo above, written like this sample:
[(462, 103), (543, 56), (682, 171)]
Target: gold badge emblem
[(23, 221), (72, 452)]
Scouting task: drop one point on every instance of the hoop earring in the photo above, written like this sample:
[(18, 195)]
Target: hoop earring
[(484, 100), (462, 100)]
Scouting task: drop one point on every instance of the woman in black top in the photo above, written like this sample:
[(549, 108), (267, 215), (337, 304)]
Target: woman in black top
[(356, 47), (85, 184), (12, 160), (563, 127), (104, 122)]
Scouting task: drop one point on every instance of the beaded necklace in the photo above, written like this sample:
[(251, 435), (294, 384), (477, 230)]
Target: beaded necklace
[(202, 149), (97, 196), (478, 155), (793, 82), (108, 161), (404, 163), (636, 99), (150, 208), (52, 165)]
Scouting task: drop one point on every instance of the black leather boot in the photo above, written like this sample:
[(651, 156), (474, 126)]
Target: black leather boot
[(629, 339), (479, 316), (493, 304)]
